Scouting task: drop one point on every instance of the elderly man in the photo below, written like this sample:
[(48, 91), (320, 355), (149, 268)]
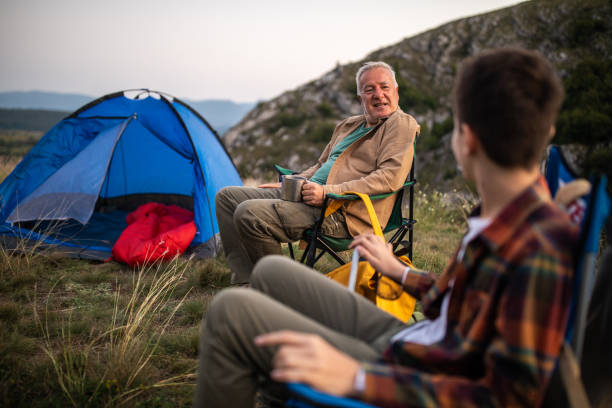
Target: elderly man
[(370, 153)]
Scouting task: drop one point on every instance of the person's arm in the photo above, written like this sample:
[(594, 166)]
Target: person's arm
[(393, 161), (270, 185), (379, 254), (518, 361)]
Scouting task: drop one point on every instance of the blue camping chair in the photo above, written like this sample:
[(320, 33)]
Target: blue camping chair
[(567, 387), (597, 211)]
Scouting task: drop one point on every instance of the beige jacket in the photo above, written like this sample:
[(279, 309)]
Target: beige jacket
[(377, 163)]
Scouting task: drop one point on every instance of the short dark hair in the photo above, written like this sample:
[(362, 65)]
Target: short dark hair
[(510, 98)]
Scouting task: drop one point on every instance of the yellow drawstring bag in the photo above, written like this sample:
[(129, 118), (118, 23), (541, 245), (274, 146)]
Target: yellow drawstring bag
[(385, 292)]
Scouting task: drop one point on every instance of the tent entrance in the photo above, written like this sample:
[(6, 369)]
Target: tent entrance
[(128, 203), (72, 191), (100, 232)]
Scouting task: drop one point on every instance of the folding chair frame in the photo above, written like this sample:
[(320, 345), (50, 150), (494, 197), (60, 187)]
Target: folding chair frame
[(318, 241)]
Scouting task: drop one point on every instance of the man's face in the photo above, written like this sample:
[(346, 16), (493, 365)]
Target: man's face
[(378, 95)]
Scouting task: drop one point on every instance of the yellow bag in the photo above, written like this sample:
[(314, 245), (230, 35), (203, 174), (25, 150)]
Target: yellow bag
[(385, 292)]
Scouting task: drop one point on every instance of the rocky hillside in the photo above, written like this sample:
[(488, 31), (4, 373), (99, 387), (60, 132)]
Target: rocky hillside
[(293, 128)]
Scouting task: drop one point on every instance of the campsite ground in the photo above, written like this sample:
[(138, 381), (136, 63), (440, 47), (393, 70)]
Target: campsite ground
[(77, 333)]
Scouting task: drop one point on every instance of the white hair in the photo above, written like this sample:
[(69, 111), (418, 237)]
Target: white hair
[(371, 65)]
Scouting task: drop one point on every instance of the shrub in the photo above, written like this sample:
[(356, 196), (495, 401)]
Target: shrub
[(429, 140), (586, 115), (325, 110), (320, 132)]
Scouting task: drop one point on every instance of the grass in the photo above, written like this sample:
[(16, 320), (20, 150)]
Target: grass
[(17, 142), (7, 164), (78, 333)]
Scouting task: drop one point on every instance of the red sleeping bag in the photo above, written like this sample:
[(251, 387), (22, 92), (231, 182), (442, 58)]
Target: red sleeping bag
[(154, 232)]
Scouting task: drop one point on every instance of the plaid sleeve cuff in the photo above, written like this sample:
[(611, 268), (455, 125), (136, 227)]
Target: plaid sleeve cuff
[(417, 282)]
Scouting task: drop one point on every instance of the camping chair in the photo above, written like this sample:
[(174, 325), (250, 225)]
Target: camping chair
[(567, 375), (567, 386), (316, 240), (597, 354)]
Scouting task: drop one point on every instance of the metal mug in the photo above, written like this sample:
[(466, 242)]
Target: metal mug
[(291, 187)]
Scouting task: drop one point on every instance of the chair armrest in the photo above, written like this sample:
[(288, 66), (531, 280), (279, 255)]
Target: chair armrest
[(304, 393), (372, 197), (283, 171)]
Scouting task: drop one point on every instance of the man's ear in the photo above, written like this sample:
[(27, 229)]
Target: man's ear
[(359, 98), (551, 133), (472, 144)]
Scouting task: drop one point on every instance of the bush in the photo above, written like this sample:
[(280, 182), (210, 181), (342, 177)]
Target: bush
[(586, 115), (287, 120), (325, 110), (290, 120), (584, 27), (431, 139), (320, 132)]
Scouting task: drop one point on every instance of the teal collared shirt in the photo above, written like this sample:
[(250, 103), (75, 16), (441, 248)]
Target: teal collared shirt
[(320, 176)]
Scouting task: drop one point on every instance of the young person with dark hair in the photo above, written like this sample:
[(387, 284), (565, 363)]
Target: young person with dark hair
[(496, 315)]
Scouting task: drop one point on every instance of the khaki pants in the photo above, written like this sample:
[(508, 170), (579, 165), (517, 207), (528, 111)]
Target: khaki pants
[(284, 295), (254, 221)]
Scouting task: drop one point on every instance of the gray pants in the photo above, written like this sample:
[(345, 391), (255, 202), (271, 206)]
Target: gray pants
[(254, 221), (284, 295)]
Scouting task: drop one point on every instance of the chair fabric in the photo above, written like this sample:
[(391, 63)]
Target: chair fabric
[(597, 355), (567, 386)]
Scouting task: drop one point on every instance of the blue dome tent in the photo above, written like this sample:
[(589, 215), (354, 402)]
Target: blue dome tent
[(75, 187)]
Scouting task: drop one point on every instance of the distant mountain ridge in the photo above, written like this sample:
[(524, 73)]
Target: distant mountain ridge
[(53, 101), (292, 129), (220, 113)]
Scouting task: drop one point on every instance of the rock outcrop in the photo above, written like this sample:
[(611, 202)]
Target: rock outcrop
[(293, 128)]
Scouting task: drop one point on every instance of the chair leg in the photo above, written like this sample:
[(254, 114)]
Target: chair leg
[(291, 250), (306, 253), (330, 251)]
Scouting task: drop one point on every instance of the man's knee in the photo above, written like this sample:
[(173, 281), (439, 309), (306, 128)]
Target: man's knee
[(269, 269), (224, 195), (249, 216), (225, 306)]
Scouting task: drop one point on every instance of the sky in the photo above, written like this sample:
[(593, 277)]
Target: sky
[(242, 50)]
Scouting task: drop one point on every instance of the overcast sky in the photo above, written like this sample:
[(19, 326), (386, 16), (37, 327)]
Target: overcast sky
[(202, 49)]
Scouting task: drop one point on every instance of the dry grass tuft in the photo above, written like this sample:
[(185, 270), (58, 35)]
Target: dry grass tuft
[(114, 366)]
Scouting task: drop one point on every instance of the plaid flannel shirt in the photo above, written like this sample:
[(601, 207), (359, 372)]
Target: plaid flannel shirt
[(506, 318)]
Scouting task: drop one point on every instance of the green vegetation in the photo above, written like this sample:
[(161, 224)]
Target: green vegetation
[(30, 119), (290, 120), (18, 142), (320, 132), (78, 334), (586, 24), (325, 110), (7, 164), (586, 115), (429, 140), (414, 100)]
